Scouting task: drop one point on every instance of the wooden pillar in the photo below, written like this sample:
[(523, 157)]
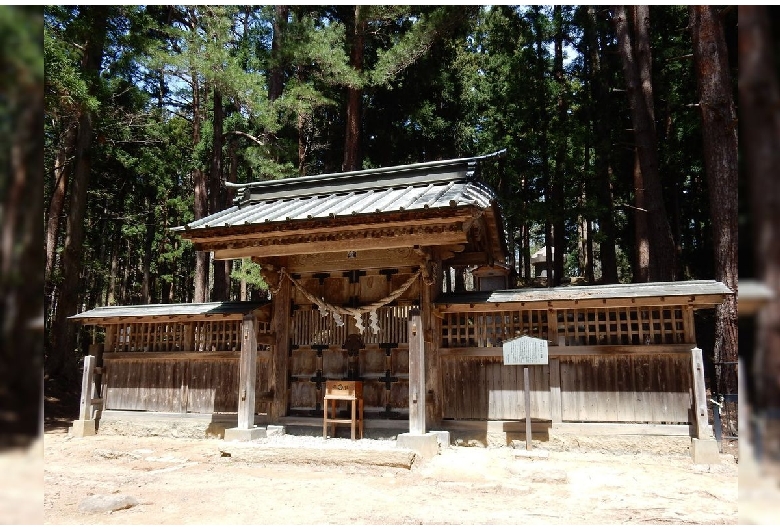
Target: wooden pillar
[(416, 374), (555, 390), (110, 340), (527, 400), (280, 359), (699, 395), (87, 388), (431, 325), (247, 372)]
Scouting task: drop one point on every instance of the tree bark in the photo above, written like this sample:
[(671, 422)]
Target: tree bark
[(719, 128), (641, 235), (543, 141), (57, 202), (200, 207), (276, 75), (216, 199), (637, 60), (352, 146), (602, 148), (63, 333), (21, 304), (557, 192), (759, 102)]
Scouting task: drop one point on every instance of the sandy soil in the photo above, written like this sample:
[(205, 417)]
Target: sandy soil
[(272, 481)]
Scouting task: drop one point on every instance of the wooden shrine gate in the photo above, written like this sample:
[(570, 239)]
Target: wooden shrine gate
[(323, 350), (380, 362)]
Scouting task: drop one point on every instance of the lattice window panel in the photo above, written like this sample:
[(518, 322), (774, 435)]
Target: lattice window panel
[(486, 330), (217, 336), (222, 335), (150, 337), (310, 327), (624, 325)]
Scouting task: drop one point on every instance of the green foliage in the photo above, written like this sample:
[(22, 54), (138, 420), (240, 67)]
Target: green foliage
[(437, 82), (248, 271)]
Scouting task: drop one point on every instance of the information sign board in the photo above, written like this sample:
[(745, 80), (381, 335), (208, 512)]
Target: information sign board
[(526, 350)]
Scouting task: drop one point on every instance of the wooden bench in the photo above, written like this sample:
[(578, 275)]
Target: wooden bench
[(351, 391)]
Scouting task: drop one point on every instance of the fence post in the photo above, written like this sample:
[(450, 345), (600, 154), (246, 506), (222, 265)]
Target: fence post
[(85, 425), (704, 448), (699, 394), (247, 374)]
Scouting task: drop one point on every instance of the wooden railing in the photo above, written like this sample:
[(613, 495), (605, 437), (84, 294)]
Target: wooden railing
[(569, 327), (177, 336)]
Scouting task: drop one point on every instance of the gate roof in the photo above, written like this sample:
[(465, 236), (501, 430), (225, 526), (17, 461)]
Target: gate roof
[(426, 204)]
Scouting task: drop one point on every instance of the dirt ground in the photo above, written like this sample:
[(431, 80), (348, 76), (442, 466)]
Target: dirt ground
[(307, 480)]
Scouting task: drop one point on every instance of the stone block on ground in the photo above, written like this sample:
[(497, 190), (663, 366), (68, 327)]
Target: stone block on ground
[(106, 503), (244, 435), (443, 438), (426, 445), (705, 451), (274, 430), (81, 428)]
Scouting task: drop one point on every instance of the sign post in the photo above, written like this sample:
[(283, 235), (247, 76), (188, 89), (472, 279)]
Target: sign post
[(526, 351)]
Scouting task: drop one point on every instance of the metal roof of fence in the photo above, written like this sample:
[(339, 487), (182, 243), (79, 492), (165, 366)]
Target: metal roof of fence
[(170, 310), (590, 292)]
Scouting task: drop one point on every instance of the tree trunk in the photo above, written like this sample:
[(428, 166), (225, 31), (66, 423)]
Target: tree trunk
[(216, 200), (558, 199), (637, 60), (352, 145), (719, 128), (63, 333), (641, 236), (111, 291), (759, 102), (276, 75), (21, 304), (146, 257), (544, 123), (200, 207), (57, 202), (602, 148)]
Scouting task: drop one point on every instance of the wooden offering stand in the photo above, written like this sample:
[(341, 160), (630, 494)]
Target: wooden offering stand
[(351, 391)]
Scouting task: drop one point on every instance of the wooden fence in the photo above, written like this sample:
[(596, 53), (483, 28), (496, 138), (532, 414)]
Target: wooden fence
[(189, 366), (629, 364)]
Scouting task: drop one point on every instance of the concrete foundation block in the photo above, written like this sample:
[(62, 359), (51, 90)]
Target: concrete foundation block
[(81, 428), (426, 445), (274, 430), (705, 451), (443, 438), (244, 435)]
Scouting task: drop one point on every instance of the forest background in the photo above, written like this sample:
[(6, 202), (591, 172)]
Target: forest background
[(614, 161)]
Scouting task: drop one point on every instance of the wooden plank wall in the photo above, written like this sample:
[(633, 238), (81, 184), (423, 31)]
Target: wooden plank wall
[(485, 389), (626, 388), (178, 385), (617, 364)]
